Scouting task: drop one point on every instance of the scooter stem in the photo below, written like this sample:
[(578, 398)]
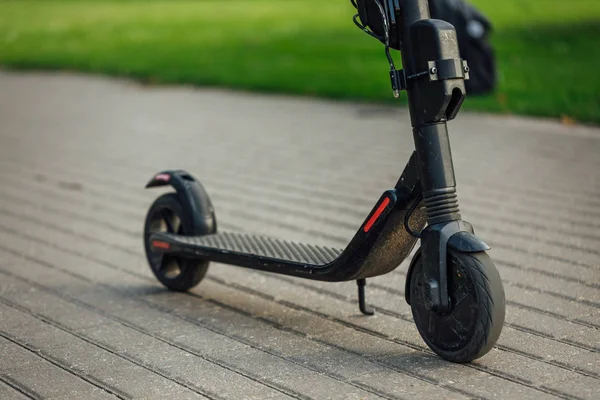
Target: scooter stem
[(433, 77)]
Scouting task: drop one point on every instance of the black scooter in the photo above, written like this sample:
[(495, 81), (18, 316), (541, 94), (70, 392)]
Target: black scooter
[(453, 288)]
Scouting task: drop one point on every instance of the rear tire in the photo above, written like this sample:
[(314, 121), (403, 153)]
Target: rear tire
[(177, 274), (473, 325)]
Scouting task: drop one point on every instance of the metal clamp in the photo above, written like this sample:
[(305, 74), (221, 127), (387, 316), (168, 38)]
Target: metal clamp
[(452, 68)]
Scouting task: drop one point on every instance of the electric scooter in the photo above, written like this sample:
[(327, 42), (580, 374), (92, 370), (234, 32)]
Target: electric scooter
[(452, 286)]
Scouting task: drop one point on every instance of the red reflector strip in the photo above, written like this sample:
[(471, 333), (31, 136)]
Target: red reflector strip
[(161, 245), (162, 177), (376, 214)]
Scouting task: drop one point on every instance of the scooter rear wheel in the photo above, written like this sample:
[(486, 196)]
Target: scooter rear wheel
[(472, 326), (177, 274)]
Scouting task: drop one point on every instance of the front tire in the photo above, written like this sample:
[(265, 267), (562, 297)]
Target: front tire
[(474, 323), (177, 274)]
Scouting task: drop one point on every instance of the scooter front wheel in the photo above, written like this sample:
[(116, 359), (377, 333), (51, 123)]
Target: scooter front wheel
[(177, 274), (477, 308)]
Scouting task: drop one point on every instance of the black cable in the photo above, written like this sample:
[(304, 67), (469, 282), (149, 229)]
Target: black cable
[(364, 29), (386, 30)]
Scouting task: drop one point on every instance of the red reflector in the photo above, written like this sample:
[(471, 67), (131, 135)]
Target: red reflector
[(376, 214), (163, 177), (161, 245)]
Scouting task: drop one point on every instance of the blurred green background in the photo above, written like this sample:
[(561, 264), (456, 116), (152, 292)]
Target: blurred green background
[(547, 50)]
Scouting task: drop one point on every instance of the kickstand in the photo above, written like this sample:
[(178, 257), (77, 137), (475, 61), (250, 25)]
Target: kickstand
[(361, 297)]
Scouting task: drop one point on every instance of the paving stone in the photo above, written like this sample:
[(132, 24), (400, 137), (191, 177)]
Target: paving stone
[(72, 210), (148, 351), (472, 380), (509, 366), (583, 387), (42, 377), (108, 369), (8, 392)]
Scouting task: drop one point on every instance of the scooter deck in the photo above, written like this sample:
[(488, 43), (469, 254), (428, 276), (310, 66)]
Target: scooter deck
[(255, 246), (379, 246), (370, 252)]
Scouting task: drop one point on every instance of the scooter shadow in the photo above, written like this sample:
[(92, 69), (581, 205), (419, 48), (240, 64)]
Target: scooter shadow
[(295, 335)]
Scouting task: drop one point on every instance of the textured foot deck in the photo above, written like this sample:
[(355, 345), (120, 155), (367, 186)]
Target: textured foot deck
[(82, 316), (264, 246)]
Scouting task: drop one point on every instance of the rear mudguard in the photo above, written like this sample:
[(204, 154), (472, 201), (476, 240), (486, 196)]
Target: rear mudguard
[(463, 241), (194, 200)]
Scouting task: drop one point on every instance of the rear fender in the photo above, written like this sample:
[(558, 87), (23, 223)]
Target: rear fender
[(193, 198)]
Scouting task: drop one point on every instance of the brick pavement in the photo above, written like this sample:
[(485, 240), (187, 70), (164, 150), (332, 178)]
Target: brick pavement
[(82, 316)]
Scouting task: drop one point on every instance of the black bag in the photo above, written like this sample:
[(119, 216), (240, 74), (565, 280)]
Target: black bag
[(473, 30)]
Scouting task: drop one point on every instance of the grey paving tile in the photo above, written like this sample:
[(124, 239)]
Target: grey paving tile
[(310, 357), (291, 342), (108, 369), (585, 274), (472, 380), (591, 318), (552, 351), (544, 251), (519, 292), (155, 355), (149, 351), (535, 299), (402, 387), (582, 386), (10, 392), (541, 300), (77, 204), (549, 325), (511, 365), (310, 384), (324, 353), (542, 231), (568, 331), (39, 376)]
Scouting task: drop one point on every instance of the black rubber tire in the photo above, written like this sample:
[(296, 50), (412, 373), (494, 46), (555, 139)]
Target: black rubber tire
[(190, 272), (471, 330)]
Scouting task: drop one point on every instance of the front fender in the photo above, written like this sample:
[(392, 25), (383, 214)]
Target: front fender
[(466, 242), (193, 198), (463, 241)]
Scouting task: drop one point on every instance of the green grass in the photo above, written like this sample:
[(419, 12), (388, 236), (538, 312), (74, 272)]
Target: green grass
[(547, 50)]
